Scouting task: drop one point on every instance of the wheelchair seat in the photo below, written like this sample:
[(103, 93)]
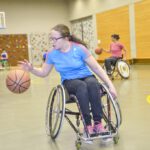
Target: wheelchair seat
[(69, 98)]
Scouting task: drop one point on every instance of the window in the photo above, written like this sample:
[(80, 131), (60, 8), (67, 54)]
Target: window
[(2, 20)]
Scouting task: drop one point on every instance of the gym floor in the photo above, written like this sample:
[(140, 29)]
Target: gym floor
[(22, 116)]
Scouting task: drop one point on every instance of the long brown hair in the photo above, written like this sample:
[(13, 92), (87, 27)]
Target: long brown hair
[(65, 32)]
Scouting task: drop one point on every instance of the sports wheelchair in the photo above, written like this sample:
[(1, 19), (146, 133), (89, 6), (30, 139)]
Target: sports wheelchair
[(57, 110), (121, 68)]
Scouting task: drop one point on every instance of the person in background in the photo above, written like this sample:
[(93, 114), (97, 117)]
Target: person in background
[(4, 58), (117, 51), (0, 59), (44, 55), (72, 60)]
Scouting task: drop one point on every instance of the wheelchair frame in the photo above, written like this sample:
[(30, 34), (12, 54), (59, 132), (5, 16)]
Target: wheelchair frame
[(121, 68), (56, 111)]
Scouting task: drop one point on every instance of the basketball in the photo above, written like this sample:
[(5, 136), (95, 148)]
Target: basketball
[(18, 81), (98, 51)]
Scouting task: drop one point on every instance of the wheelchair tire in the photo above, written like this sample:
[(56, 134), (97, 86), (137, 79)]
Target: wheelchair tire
[(123, 69), (111, 109), (55, 111)]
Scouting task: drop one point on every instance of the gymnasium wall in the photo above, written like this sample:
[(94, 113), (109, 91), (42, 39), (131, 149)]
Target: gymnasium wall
[(25, 46), (110, 22), (30, 16), (83, 8), (34, 19), (133, 26), (16, 46), (142, 27)]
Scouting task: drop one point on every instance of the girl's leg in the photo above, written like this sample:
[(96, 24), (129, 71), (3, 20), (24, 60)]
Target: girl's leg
[(79, 88), (95, 100), (94, 97), (108, 63)]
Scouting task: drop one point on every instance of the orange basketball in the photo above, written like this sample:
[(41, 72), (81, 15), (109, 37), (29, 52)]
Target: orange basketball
[(98, 51), (18, 81)]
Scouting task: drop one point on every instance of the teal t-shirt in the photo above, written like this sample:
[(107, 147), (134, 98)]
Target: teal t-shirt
[(71, 64)]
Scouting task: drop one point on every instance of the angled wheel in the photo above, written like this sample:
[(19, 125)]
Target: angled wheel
[(55, 111), (111, 109), (123, 69)]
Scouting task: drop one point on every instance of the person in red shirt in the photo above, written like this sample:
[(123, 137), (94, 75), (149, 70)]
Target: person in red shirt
[(117, 51)]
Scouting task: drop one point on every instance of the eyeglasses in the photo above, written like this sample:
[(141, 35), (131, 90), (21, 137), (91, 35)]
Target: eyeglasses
[(55, 39)]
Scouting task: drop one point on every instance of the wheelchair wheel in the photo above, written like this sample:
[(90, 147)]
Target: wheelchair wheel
[(123, 69), (111, 109), (55, 111), (116, 139)]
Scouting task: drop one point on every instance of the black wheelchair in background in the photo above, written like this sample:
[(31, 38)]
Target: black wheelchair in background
[(120, 68), (57, 110)]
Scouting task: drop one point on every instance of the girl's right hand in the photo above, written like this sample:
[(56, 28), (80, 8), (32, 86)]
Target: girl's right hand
[(25, 65), (113, 91)]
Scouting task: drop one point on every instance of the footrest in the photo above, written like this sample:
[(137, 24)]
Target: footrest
[(99, 134)]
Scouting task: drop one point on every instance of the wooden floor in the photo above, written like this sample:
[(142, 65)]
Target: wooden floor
[(22, 116)]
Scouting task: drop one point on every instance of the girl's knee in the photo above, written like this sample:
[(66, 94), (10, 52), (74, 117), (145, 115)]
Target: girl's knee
[(82, 86), (92, 82)]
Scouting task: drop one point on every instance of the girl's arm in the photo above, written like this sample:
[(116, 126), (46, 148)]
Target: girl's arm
[(97, 69), (107, 51), (42, 72)]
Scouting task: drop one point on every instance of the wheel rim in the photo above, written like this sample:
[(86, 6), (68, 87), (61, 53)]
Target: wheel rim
[(123, 69), (48, 112), (56, 111), (111, 109)]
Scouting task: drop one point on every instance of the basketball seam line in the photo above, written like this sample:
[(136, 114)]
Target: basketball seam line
[(18, 84), (19, 80), (14, 82)]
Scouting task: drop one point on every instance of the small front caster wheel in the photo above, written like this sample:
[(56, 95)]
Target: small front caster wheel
[(78, 145), (116, 139)]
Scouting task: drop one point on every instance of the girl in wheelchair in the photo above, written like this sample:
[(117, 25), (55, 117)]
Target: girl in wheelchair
[(117, 51), (76, 65)]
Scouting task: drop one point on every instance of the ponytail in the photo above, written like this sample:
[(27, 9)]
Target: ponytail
[(65, 32), (76, 40)]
